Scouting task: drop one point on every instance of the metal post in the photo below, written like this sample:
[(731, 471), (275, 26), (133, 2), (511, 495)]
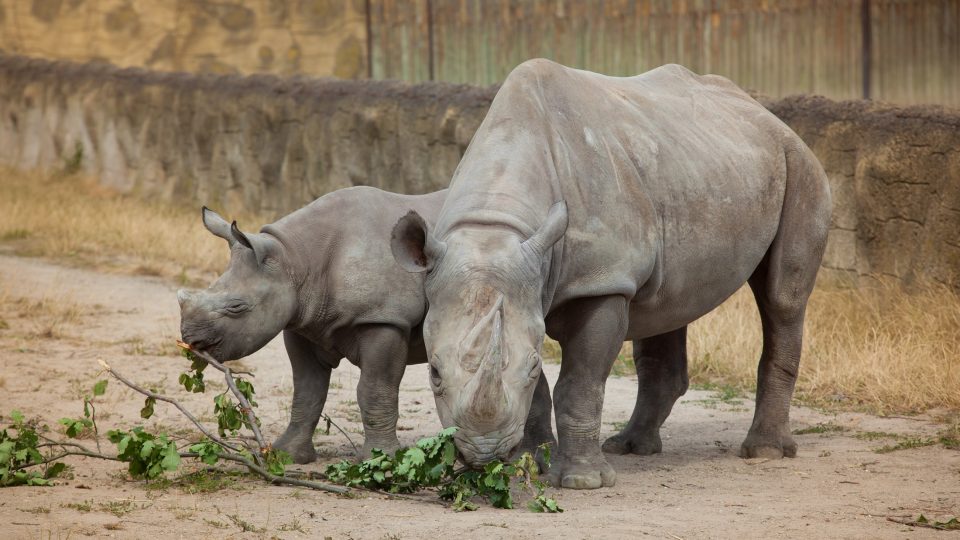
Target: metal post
[(866, 30), (430, 68), (369, 21)]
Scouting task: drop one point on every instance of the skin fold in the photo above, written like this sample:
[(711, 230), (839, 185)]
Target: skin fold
[(599, 209), (324, 277)]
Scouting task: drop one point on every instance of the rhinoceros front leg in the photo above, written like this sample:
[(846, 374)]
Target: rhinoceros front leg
[(590, 332), (539, 427), (311, 380), (661, 363), (383, 359)]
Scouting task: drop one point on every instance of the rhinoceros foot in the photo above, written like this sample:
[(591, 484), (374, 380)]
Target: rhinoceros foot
[(767, 446), (582, 473), (628, 441), (301, 450), (387, 444)]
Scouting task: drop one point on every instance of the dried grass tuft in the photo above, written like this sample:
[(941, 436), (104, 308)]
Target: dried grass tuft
[(72, 218), (876, 348)]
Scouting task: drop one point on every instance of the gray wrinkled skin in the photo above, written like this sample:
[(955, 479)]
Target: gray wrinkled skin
[(324, 276), (599, 209)]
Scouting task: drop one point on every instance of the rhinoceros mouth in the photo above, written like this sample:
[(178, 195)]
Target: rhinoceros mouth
[(207, 344), (478, 451)]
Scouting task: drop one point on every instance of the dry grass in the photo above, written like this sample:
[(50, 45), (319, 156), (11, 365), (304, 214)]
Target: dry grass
[(45, 318), (876, 348), (68, 217)]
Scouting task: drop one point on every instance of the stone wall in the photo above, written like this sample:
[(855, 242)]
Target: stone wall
[(895, 178), (270, 145), (258, 143)]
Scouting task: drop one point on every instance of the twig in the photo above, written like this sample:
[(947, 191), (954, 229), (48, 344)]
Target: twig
[(273, 478), (175, 403), (93, 419), (910, 522), (59, 443), (244, 403), (66, 453), (340, 429), (313, 474), (229, 457)]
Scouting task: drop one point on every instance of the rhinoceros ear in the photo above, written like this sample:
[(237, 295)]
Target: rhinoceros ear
[(217, 225), (414, 248), (254, 242), (550, 232)]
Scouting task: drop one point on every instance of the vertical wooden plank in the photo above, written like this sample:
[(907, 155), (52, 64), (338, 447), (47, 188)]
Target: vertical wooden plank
[(777, 47)]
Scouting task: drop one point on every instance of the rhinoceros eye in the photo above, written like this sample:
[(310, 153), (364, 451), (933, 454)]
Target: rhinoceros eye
[(435, 378), (236, 308)]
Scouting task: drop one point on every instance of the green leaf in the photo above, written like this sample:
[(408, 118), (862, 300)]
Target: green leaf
[(147, 410), (146, 449), (197, 364), (54, 470), (100, 388), (122, 444), (545, 448), (415, 457), (17, 417), (171, 458), (449, 453)]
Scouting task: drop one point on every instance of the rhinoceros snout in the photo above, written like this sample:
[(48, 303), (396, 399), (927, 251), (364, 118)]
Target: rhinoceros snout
[(478, 451)]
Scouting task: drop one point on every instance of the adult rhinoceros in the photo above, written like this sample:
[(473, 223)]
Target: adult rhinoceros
[(600, 209)]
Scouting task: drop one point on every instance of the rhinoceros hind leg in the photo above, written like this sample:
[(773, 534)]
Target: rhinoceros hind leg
[(661, 363), (590, 332), (781, 285)]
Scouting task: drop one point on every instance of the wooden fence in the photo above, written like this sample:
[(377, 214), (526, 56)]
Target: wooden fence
[(904, 51)]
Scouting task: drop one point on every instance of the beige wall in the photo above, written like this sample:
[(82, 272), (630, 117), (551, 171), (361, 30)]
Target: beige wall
[(313, 37)]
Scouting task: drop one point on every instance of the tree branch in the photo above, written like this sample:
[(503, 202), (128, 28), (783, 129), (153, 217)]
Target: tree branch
[(273, 478), (175, 403), (66, 453), (244, 403)]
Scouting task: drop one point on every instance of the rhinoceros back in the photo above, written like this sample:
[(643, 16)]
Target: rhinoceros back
[(673, 181)]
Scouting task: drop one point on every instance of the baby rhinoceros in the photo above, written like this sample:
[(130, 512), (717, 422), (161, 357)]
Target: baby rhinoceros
[(324, 276)]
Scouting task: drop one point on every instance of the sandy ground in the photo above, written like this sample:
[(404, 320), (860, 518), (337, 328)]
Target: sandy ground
[(698, 487)]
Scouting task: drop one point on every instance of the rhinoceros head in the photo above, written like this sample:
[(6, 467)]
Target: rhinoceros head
[(248, 305), (484, 326)]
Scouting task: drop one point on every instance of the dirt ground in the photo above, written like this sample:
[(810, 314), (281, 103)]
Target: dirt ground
[(837, 487)]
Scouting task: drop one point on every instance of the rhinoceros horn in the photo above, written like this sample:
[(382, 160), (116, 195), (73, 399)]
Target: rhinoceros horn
[(485, 389)]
